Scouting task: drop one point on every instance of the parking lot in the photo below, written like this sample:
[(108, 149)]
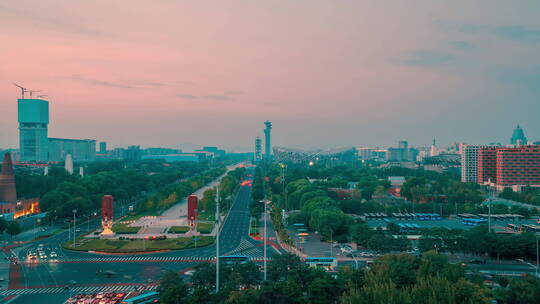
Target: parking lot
[(447, 223), (310, 243)]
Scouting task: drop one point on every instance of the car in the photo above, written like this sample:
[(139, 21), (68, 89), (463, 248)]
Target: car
[(53, 254), (476, 262)]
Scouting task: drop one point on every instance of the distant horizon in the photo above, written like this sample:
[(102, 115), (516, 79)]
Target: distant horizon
[(326, 73), (191, 147)]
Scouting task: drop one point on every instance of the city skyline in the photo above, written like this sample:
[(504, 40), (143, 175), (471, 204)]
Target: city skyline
[(351, 80)]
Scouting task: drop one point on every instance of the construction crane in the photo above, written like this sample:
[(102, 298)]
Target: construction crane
[(23, 90), (31, 91)]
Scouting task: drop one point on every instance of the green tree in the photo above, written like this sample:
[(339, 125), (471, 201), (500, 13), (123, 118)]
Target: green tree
[(13, 228), (172, 289), (3, 225), (522, 291)]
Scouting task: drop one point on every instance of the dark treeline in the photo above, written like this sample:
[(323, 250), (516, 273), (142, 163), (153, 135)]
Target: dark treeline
[(227, 187), (480, 242), (61, 192), (395, 278), (529, 195), (168, 195)]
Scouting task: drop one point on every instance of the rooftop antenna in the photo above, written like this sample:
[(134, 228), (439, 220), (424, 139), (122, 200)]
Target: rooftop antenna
[(31, 91), (23, 90)]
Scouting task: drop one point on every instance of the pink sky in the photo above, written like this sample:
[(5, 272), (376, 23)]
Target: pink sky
[(327, 73)]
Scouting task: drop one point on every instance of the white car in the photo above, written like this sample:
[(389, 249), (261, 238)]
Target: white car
[(53, 254)]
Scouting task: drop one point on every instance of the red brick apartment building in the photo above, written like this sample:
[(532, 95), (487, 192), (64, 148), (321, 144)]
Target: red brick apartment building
[(507, 167), (487, 165)]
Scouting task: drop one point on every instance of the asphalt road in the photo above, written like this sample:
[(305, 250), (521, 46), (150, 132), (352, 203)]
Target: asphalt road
[(70, 272)]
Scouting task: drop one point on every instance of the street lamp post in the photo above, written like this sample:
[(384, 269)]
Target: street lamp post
[(264, 239), (283, 184), (35, 229), (489, 216), (74, 225), (218, 220), (537, 257), (331, 244)]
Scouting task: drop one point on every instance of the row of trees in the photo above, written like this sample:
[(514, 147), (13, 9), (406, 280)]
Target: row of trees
[(529, 195), (61, 192), (318, 210), (169, 195), (395, 278), (227, 186), (480, 242), (377, 239)]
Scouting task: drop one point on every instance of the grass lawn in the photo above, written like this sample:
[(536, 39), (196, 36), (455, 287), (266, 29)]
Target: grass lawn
[(207, 216), (124, 229), (178, 229), (126, 246), (205, 227)]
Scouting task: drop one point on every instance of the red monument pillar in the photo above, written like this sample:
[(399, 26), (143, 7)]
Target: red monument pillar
[(107, 209), (192, 211)]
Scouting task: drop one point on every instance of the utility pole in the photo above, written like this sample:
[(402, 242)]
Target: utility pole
[(264, 239), (217, 239)]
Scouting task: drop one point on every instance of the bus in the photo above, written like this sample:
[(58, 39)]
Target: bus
[(326, 262), (531, 228), (149, 297), (473, 221), (513, 228), (231, 259)]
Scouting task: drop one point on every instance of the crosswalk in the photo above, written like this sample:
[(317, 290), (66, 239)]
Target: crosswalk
[(131, 259), (245, 248), (248, 249), (79, 289)]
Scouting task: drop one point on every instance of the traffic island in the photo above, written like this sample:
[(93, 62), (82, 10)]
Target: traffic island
[(137, 245)]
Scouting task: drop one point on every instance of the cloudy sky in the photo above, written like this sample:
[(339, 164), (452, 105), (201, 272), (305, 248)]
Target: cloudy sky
[(328, 73)]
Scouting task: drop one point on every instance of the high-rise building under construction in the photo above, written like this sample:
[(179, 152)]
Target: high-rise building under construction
[(33, 116)]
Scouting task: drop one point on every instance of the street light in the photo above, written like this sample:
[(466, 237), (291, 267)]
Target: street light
[(489, 216), (88, 222), (283, 191), (265, 238), (74, 225), (218, 224)]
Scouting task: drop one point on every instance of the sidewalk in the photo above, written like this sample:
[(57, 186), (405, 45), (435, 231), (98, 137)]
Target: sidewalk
[(272, 233)]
